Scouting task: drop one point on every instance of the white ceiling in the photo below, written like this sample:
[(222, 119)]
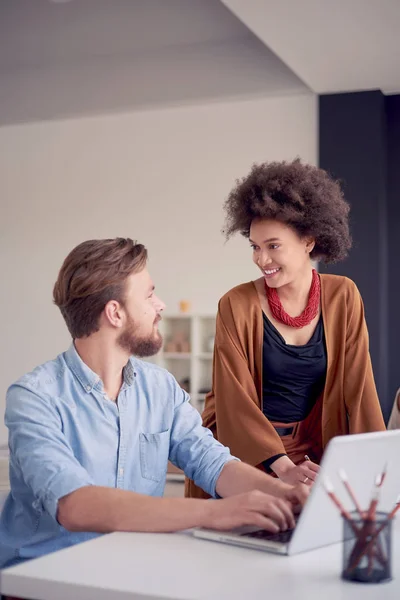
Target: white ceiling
[(66, 58), (41, 33), (332, 45), (88, 56)]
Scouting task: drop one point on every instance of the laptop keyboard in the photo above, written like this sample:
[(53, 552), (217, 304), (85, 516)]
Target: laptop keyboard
[(282, 536)]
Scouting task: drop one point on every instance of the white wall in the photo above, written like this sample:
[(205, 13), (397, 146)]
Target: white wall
[(157, 176)]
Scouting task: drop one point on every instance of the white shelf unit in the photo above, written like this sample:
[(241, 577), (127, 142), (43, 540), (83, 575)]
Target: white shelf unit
[(193, 369)]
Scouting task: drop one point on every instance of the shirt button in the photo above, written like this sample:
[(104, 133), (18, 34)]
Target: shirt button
[(121, 471), (88, 388)]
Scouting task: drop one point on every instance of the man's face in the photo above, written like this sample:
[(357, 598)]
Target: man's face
[(140, 335)]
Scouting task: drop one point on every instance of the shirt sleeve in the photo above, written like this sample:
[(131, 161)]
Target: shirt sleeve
[(267, 463), (193, 447), (39, 448)]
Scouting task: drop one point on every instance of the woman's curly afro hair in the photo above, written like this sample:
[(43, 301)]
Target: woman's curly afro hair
[(302, 196)]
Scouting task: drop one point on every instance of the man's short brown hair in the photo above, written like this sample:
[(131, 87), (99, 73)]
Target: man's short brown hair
[(94, 273)]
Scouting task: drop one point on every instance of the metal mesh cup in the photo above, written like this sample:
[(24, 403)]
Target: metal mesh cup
[(367, 549)]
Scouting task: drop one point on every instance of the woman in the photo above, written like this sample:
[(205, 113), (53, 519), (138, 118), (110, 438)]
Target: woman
[(291, 361)]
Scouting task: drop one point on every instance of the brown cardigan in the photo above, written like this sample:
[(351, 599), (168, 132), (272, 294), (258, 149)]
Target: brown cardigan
[(232, 410)]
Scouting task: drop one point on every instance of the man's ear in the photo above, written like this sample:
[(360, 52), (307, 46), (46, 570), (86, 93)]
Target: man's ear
[(113, 313)]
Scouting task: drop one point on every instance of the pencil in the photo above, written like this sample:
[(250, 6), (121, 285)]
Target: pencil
[(330, 491), (343, 477)]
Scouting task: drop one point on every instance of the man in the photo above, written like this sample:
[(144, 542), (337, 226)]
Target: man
[(91, 432)]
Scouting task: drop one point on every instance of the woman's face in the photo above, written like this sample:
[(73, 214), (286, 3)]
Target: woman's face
[(279, 252)]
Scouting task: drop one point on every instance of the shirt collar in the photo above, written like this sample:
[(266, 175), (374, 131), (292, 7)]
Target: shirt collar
[(88, 378), (128, 373)]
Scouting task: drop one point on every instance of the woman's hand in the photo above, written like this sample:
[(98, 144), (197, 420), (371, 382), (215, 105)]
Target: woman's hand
[(287, 471)]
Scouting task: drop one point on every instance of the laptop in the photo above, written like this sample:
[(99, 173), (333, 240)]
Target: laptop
[(363, 457)]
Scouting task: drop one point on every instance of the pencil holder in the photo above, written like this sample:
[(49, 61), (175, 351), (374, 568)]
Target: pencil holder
[(367, 548)]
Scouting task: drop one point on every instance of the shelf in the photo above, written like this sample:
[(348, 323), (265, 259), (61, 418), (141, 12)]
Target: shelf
[(174, 474), (192, 370), (175, 477), (198, 397), (189, 315)]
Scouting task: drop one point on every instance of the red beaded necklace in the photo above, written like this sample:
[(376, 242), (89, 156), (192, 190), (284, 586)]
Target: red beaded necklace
[(308, 314)]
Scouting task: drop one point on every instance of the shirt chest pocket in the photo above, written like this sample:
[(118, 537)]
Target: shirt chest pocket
[(154, 451)]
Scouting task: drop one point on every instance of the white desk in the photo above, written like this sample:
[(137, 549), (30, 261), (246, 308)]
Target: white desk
[(177, 566)]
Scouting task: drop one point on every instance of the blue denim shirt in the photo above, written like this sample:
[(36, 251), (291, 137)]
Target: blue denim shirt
[(64, 433)]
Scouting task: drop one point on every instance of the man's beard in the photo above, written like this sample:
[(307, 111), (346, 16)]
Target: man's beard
[(139, 346)]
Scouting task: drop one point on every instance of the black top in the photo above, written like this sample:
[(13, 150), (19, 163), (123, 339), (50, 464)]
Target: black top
[(293, 376)]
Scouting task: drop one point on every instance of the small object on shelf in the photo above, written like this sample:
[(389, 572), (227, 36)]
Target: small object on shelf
[(170, 347), (185, 384), (184, 306), (178, 343)]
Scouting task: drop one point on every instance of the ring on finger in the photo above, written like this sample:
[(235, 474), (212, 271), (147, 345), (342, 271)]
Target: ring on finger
[(306, 479)]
